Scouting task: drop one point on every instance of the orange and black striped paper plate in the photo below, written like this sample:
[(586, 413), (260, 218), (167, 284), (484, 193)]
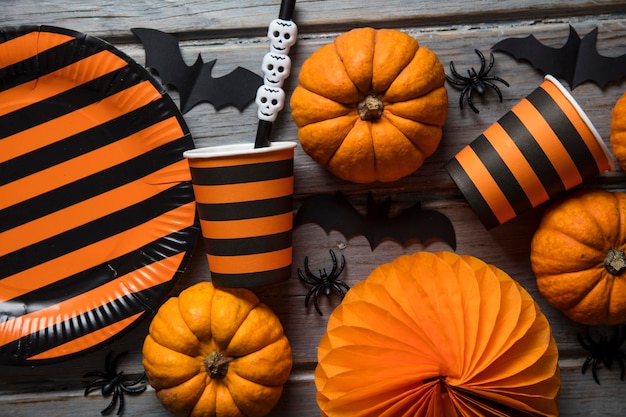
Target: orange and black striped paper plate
[(97, 212), (544, 146)]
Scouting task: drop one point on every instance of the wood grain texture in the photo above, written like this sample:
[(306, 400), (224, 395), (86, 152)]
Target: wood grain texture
[(233, 32)]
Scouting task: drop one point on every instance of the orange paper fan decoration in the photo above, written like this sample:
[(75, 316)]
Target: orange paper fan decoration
[(437, 334)]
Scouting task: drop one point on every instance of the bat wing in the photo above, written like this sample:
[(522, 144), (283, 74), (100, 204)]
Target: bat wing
[(592, 66), (560, 62), (331, 212), (164, 57), (425, 225), (237, 88)]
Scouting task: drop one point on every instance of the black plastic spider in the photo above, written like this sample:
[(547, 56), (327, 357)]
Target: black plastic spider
[(325, 282), (475, 81), (115, 383), (604, 350)]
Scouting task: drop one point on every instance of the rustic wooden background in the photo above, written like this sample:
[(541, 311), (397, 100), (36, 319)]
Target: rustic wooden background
[(233, 31)]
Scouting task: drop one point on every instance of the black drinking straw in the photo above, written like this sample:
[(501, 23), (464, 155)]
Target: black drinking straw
[(265, 127)]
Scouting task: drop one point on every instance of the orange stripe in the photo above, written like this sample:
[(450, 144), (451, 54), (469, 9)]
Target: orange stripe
[(95, 254), (486, 185), (252, 158), (136, 281), (84, 212), (545, 137), (78, 121), (29, 45), (517, 163), (259, 226), (90, 163), (87, 341), (599, 152), (245, 264), (251, 191), (59, 81)]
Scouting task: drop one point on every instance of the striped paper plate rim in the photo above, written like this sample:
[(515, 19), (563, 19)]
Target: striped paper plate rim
[(97, 213)]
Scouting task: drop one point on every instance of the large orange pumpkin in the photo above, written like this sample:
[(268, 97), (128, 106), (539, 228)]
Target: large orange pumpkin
[(577, 255), (440, 335), (371, 105), (216, 352)]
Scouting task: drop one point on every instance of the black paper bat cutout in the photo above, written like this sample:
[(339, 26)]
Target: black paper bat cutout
[(194, 83), (413, 223), (576, 62)]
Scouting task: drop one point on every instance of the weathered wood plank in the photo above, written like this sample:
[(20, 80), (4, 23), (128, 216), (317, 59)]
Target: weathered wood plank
[(232, 18)]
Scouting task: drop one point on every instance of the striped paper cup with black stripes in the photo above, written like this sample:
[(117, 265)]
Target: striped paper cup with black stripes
[(543, 146), (244, 198)]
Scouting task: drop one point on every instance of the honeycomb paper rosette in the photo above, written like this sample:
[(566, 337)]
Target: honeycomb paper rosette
[(438, 334)]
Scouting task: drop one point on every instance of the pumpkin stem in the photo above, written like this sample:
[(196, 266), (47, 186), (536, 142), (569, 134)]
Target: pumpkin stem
[(216, 365), (371, 108), (615, 261)]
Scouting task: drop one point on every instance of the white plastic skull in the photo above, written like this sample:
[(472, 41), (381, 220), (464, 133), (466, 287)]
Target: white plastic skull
[(276, 68), (282, 35), (270, 100)]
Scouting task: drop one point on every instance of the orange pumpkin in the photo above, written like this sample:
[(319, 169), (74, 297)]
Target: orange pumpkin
[(577, 255), (371, 105), (216, 352), (437, 334), (618, 131)]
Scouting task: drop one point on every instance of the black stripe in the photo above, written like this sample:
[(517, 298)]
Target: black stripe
[(93, 185), (68, 101), (79, 144), (82, 282), (243, 173), (535, 156), (471, 193), (45, 62), (501, 174), (566, 132), (18, 352), (248, 245), (252, 279), (95, 231), (246, 209)]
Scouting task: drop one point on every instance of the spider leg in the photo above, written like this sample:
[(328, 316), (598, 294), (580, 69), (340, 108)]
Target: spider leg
[(94, 385), (341, 266), (309, 294), (495, 87), (120, 409), (482, 62), (315, 301), (469, 100), (337, 287), (457, 75), (461, 99), (334, 259), (128, 385), (455, 82), (306, 279), (342, 284), (496, 79), (594, 370), (111, 405)]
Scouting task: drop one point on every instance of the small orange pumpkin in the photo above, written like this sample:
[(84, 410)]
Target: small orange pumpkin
[(618, 131), (216, 352), (371, 105), (437, 334), (577, 255)]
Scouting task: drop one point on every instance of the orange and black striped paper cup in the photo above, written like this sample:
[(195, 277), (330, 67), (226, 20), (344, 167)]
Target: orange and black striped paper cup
[(244, 198), (543, 146)]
